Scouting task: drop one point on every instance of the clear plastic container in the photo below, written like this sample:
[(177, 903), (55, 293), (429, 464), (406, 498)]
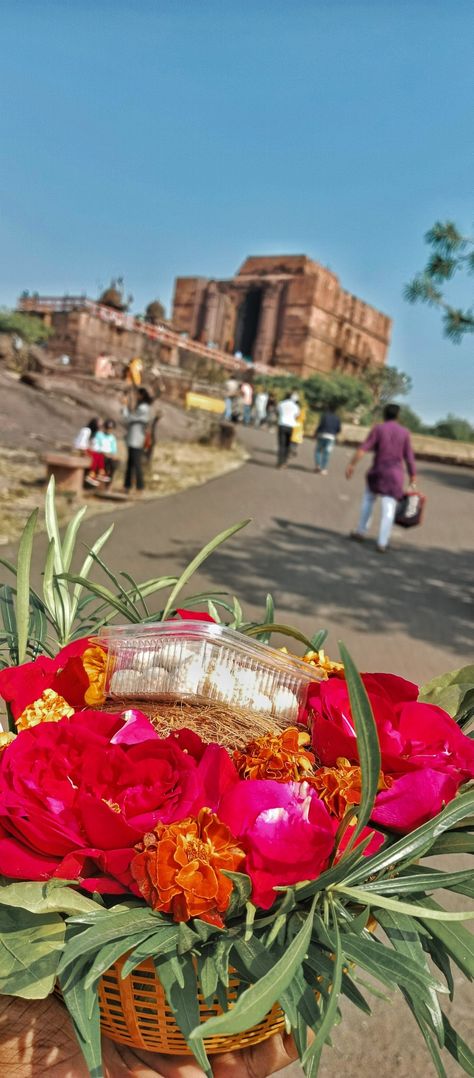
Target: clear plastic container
[(198, 660)]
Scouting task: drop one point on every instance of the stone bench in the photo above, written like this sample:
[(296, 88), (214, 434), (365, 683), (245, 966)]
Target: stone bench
[(68, 470)]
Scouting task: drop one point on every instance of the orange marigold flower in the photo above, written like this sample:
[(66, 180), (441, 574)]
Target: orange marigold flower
[(328, 666), (281, 757), (49, 707), (179, 867), (6, 737), (94, 661), (341, 786)]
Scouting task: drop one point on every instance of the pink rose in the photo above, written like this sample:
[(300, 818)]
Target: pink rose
[(286, 831), (76, 795), (424, 752)]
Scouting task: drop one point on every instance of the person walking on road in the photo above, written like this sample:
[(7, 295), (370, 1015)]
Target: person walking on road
[(288, 411), (137, 420), (326, 434), (246, 396), (260, 405), (391, 445)]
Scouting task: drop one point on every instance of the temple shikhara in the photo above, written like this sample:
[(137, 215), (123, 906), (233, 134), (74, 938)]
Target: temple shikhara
[(283, 311)]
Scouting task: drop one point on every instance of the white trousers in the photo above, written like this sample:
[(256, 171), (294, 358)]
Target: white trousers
[(387, 515)]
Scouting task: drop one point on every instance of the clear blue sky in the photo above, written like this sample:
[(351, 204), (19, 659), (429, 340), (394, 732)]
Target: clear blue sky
[(153, 138)]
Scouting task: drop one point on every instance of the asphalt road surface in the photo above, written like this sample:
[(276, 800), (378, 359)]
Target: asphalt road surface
[(407, 612)]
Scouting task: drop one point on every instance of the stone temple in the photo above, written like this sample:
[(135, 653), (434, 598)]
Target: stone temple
[(284, 311)]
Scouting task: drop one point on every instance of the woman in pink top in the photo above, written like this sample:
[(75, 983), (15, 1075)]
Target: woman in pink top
[(390, 443)]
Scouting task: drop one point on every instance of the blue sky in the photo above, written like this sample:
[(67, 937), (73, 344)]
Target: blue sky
[(153, 138)]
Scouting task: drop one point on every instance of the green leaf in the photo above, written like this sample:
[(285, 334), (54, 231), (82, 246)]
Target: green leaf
[(367, 741), (55, 896), (48, 582), (284, 630), (386, 965), (458, 1048), (318, 639), (241, 891), (256, 1001), (368, 898), (87, 566), (213, 611), (83, 1006), (453, 842), (457, 940), (197, 561), (324, 1026), (23, 584), (30, 950), (453, 692), (183, 1000), (128, 613), (63, 607), (71, 536), (106, 927), (419, 842), (422, 881), (7, 611), (403, 933)]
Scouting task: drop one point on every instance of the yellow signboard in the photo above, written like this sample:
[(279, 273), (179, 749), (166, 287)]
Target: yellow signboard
[(206, 404)]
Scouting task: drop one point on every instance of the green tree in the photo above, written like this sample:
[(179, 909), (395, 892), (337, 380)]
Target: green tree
[(342, 390), (31, 329), (451, 252), (385, 383), (409, 418), (454, 427)]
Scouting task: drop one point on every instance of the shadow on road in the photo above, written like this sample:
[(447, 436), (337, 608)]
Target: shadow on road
[(425, 593)]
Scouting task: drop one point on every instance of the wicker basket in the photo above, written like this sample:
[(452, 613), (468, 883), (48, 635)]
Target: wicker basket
[(135, 1011)]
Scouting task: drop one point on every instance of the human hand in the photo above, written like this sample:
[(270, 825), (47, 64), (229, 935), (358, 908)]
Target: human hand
[(37, 1037), (349, 471)]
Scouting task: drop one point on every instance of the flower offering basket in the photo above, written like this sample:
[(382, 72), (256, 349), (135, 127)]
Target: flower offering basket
[(135, 1011), (204, 839)]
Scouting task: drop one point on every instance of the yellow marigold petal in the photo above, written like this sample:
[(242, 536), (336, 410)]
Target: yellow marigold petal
[(94, 661), (6, 737), (50, 707)]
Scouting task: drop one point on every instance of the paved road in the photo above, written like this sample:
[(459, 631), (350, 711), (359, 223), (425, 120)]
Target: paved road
[(407, 612)]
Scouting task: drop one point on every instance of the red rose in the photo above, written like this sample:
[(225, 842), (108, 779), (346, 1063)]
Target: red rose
[(21, 685), (77, 795)]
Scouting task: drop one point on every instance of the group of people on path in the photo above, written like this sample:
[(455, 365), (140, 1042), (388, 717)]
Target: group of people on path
[(246, 404), (97, 440), (391, 445)]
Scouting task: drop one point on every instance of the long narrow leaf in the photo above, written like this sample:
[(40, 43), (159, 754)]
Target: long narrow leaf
[(197, 561), (368, 898), (86, 568), (70, 537), (103, 593), (419, 842), (325, 1026), (367, 741), (257, 1000), (285, 630), (7, 612), (23, 584)]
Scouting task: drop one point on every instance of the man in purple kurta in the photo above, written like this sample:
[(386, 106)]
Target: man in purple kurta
[(390, 443)]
